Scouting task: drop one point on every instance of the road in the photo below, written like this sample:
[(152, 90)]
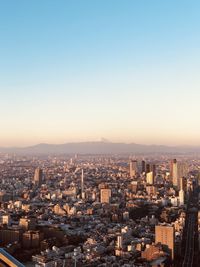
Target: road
[(190, 241), (189, 249)]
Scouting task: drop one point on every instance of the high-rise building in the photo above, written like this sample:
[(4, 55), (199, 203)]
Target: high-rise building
[(178, 170), (150, 178), (181, 197), (165, 235), (105, 195), (82, 185), (143, 169), (151, 168), (38, 176), (174, 171), (183, 184), (133, 168), (198, 179), (147, 169)]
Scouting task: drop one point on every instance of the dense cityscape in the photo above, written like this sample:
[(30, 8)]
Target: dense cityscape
[(99, 137), (100, 210)]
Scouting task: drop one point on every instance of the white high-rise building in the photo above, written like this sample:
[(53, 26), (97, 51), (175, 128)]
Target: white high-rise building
[(82, 185), (150, 178), (178, 170), (181, 197)]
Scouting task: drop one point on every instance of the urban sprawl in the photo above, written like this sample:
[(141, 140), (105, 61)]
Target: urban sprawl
[(100, 210)]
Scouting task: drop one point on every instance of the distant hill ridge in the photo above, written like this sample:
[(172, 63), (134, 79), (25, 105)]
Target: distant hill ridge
[(101, 147)]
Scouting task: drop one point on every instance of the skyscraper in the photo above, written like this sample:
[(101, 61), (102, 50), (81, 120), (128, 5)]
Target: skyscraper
[(143, 169), (37, 179), (150, 178), (82, 185), (165, 235), (133, 168), (181, 197), (183, 184), (150, 173), (178, 170), (148, 168)]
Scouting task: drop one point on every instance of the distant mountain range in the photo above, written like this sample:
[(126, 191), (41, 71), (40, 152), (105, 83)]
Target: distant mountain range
[(101, 147)]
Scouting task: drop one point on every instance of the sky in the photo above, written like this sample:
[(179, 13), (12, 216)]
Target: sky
[(83, 70)]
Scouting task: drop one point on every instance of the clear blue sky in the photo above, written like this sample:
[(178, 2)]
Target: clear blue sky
[(81, 70)]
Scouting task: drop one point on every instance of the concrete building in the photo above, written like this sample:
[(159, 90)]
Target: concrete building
[(151, 190), (37, 179), (143, 167), (9, 236), (183, 184), (133, 168), (5, 219), (32, 239), (27, 223), (178, 170), (165, 235), (120, 241), (150, 178), (181, 197), (105, 195)]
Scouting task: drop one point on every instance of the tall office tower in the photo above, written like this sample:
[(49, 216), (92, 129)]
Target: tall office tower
[(198, 179), (105, 195), (147, 169), (82, 185), (183, 184), (143, 166), (178, 170), (150, 178), (165, 235), (150, 172), (38, 176), (181, 197), (151, 168), (133, 168)]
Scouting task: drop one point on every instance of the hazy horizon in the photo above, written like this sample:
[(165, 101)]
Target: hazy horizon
[(75, 71), (98, 141)]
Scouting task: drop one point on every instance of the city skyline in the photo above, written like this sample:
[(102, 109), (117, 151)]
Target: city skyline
[(80, 71)]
